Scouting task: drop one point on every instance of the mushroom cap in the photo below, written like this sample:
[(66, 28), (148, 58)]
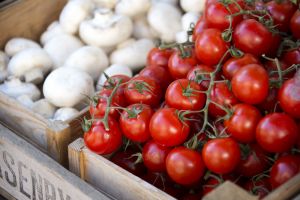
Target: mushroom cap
[(92, 60), (16, 45), (113, 70), (167, 25), (105, 3), (66, 86), (65, 113), (134, 55), (104, 30), (189, 18), (61, 47), (29, 59), (132, 8), (172, 2), (74, 13), (192, 5), (142, 29), (53, 30)]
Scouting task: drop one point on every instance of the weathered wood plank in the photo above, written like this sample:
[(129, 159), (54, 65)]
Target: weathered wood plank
[(27, 173), (104, 175)]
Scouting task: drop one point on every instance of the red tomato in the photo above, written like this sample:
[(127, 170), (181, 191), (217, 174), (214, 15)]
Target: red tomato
[(102, 141), (295, 24), (260, 187), (118, 100), (284, 169), (242, 124), (252, 37), (111, 83), (134, 122), (159, 57), (232, 65), (159, 74), (214, 181), (210, 47), (221, 95), (269, 104), (277, 132), (167, 129), (221, 155), (291, 57), (202, 79), (289, 96), (250, 84), (179, 67), (253, 161), (184, 94), (199, 27), (217, 15), (126, 160), (185, 166), (143, 90), (154, 156), (281, 13)]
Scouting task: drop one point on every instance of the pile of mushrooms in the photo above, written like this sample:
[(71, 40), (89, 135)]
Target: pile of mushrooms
[(54, 78)]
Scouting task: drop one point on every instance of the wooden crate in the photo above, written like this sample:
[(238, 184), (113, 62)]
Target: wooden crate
[(27, 173), (29, 19), (105, 175)]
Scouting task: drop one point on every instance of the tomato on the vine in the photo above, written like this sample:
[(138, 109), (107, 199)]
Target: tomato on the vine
[(185, 166), (199, 27), (200, 75), (295, 24), (167, 128), (159, 57), (184, 94)]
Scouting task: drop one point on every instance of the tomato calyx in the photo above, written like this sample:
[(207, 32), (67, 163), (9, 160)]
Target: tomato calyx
[(86, 124), (141, 86), (133, 113)]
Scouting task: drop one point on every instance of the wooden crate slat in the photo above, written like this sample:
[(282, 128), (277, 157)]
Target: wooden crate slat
[(27, 173), (105, 175)]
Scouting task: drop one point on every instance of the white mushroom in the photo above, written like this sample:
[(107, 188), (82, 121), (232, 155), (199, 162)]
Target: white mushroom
[(181, 37), (15, 45), (126, 43), (30, 63), (142, 29), (15, 88), (134, 55), (192, 5), (105, 3), (44, 108), (111, 71), (61, 47), (188, 19), (53, 30), (166, 20), (65, 113), (106, 29), (74, 13), (3, 66), (66, 86), (92, 60), (172, 2), (25, 100), (132, 8)]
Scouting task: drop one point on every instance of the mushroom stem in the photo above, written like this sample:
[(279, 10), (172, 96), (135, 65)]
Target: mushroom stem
[(34, 76)]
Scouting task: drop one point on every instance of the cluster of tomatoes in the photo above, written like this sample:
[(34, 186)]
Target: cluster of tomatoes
[(225, 105)]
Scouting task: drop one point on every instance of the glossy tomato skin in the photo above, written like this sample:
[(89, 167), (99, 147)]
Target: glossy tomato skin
[(295, 24), (221, 155), (150, 94), (277, 132), (184, 94), (134, 123), (216, 15), (269, 105), (210, 47), (199, 27), (159, 57), (126, 160), (250, 84), (281, 12), (284, 169), (195, 75), (185, 166), (289, 97), (252, 37), (179, 66), (242, 124), (154, 156), (291, 57), (253, 162), (98, 110), (166, 128), (221, 95), (114, 80), (160, 74), (232, 65), (101, 141)]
